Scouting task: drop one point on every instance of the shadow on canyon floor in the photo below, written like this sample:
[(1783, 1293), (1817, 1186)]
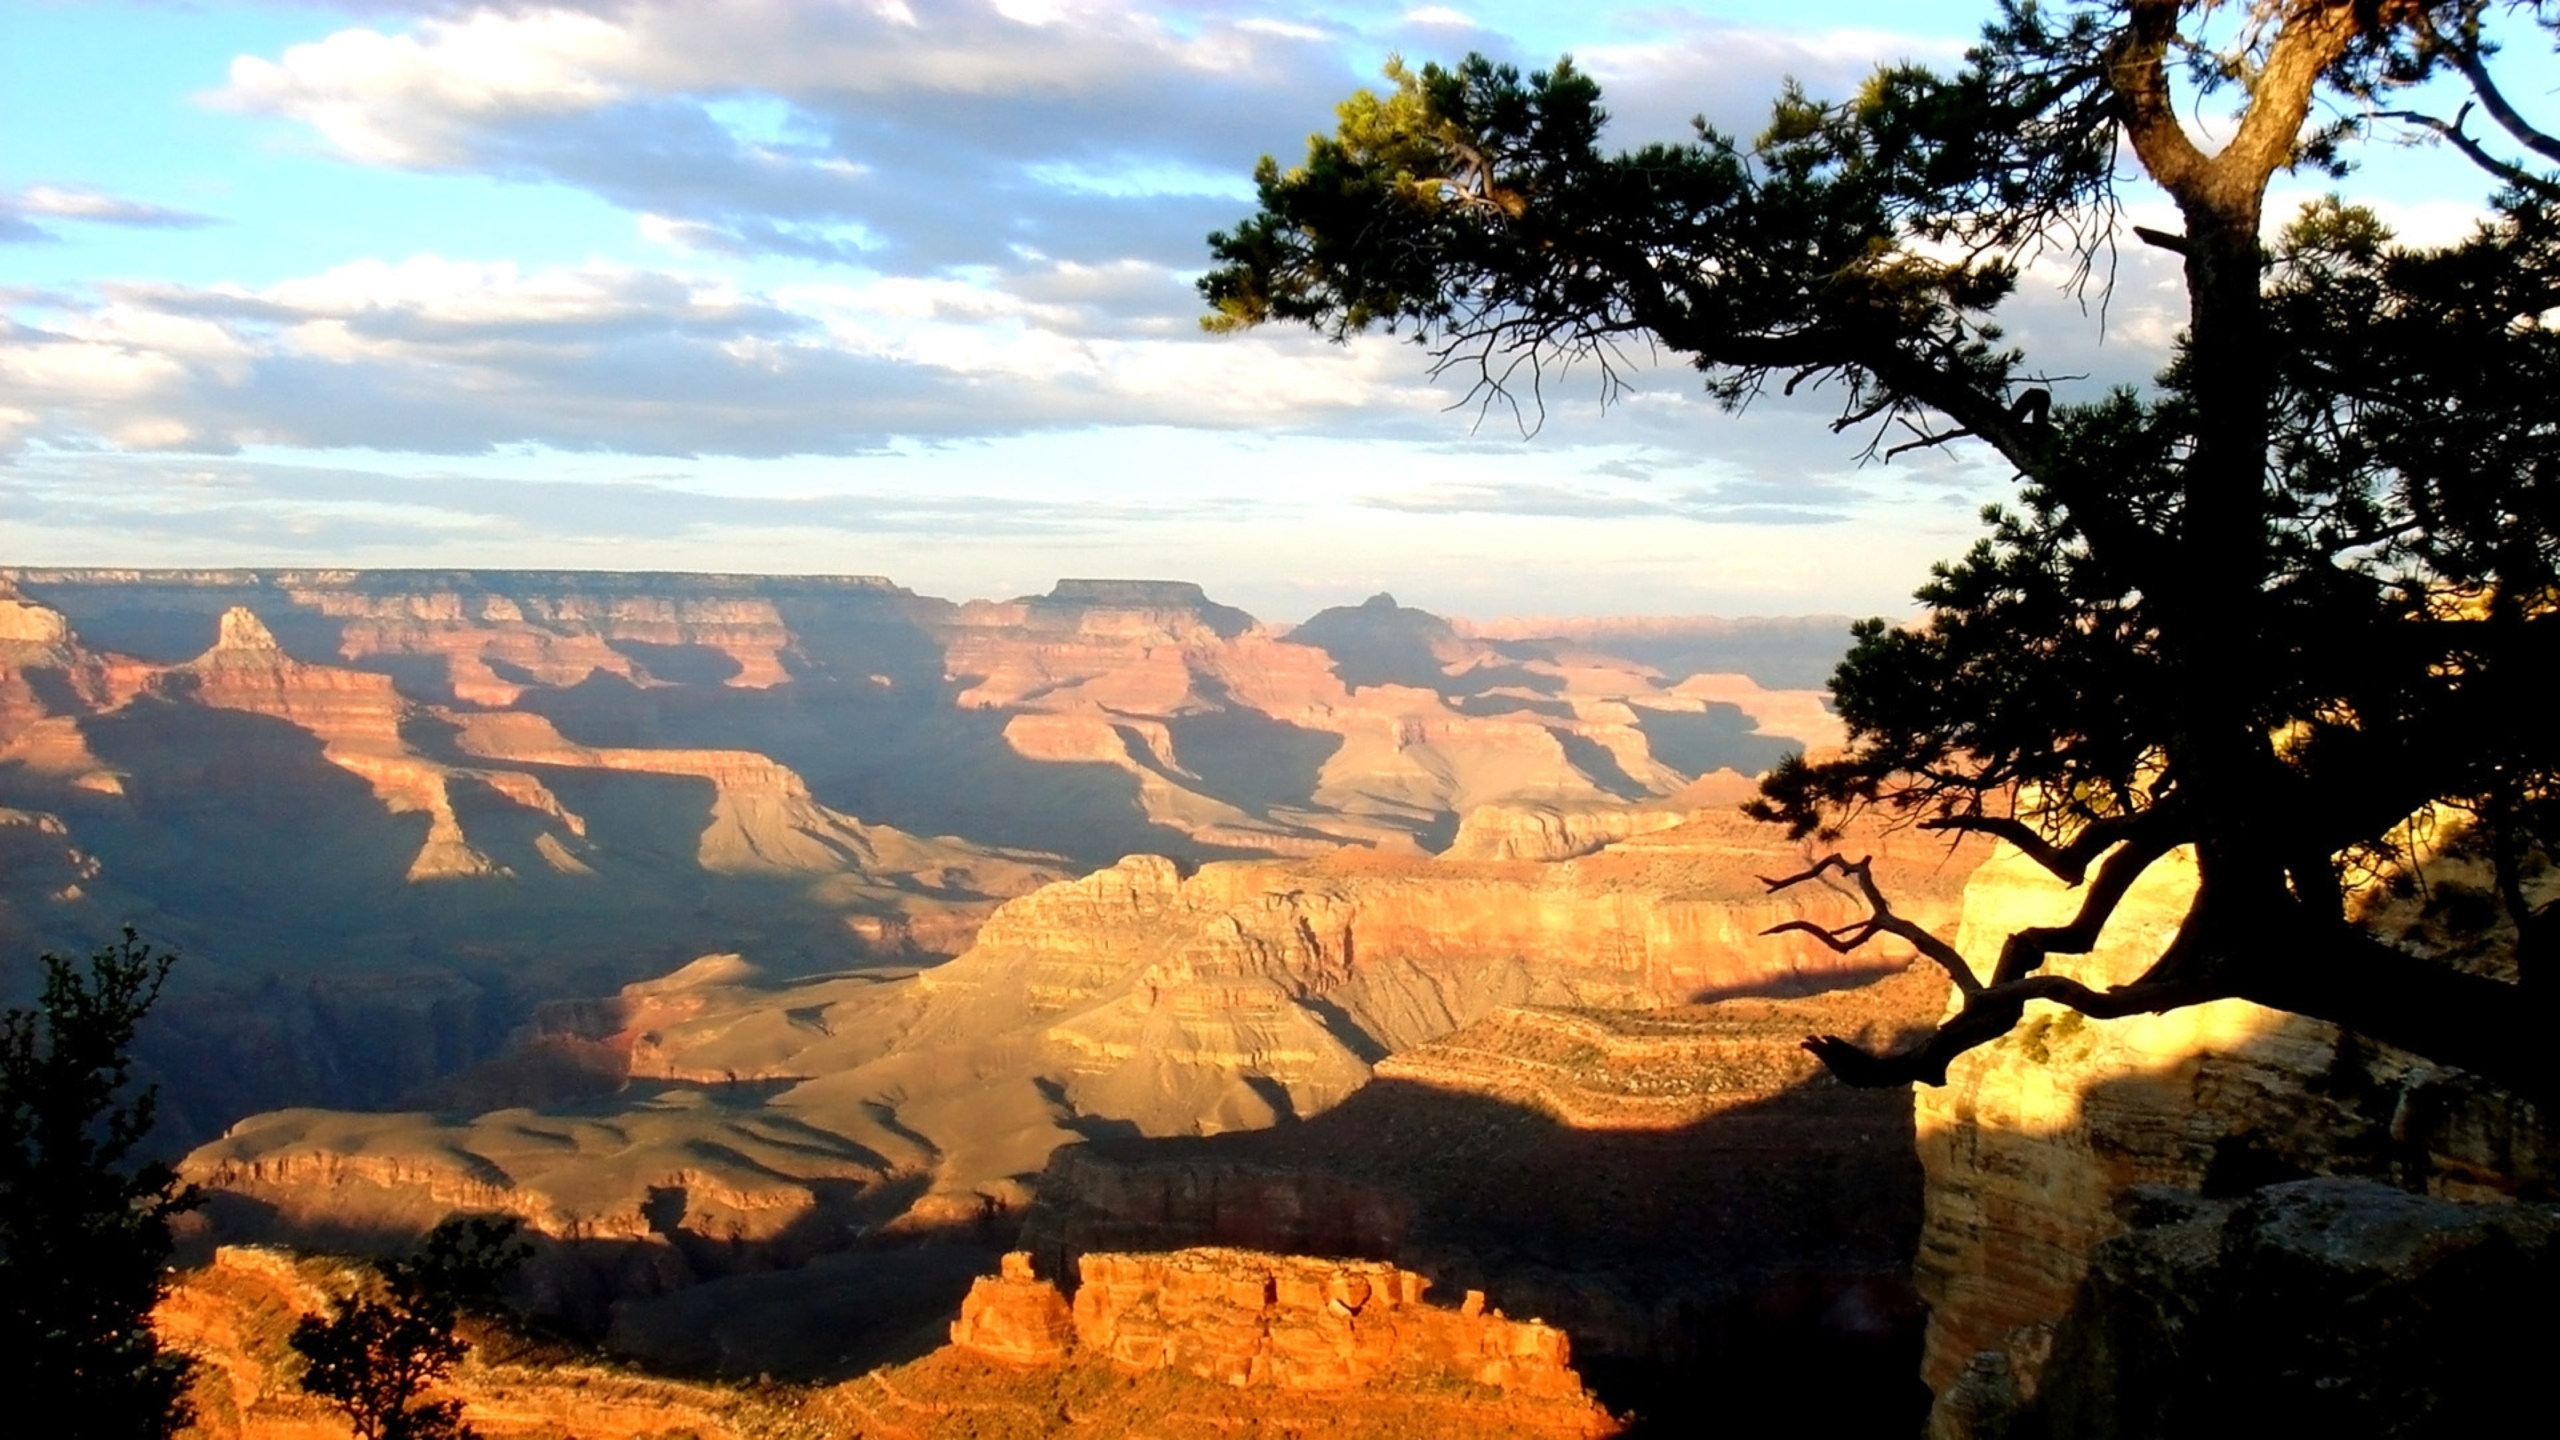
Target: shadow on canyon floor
[(1750, 1268)]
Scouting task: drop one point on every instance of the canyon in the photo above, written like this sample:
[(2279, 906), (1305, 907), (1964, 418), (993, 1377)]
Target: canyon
[(807, 963), (721, 1148), (388, 815)]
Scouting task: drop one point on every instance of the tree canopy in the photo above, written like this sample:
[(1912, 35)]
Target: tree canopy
[(2291, 597), (379, 1353), (84, 1226)]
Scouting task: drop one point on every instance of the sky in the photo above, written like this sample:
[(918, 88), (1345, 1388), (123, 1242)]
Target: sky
[(895, 287)]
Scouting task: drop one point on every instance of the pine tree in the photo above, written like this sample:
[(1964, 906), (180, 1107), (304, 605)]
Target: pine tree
[(84, 1231)]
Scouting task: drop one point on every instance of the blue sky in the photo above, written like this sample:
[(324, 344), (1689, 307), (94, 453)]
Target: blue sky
[(887, 286)]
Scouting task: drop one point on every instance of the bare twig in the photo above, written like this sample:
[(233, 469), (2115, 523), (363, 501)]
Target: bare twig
[(1881, 920)]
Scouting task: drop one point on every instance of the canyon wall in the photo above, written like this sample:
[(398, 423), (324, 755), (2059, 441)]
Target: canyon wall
[(721, 1129), (1714, 1221), (1140, 999), (2041, 1145), (340, 791)]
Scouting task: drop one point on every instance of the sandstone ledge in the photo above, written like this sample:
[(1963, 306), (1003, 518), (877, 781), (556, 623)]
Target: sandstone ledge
[(1249, 1319)]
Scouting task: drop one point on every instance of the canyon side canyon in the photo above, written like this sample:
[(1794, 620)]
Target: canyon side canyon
[(892, 1016)]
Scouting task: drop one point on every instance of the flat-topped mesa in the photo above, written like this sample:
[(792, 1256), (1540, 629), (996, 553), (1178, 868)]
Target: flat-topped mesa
[(1096, 605), (1246, 1318), (1133, 595)]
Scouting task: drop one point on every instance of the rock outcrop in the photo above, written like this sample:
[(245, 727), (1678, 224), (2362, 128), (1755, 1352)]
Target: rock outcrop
[(1245, 1318), (1328, 1349), (1518, 831), (2035, 1141), (2322, 1307), (234, 1317), (1681, 1189)]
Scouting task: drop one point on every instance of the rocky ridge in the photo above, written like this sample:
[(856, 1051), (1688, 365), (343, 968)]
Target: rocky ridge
[(721, 1125), (1248, 1319), (1326, 1348)]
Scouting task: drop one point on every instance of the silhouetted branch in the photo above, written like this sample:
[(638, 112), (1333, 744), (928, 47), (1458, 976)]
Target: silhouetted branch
[(1881, 920), (1987, 1015), (2453, 134), (2024, 952), (2466, 58), (2068, 862)]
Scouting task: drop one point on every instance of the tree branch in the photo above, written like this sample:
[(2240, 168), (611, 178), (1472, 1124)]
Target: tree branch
[(2452, 133), (2312, 39), (1987, 1015), (1881, 920), (2466, 58), (2068, 862), (2499, 1031), (2137, 73), (2025, 951)]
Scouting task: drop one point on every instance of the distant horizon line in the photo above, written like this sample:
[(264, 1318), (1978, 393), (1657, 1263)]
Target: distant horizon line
[(1499, 626)]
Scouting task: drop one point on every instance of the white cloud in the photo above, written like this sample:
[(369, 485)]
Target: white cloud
[(21, 213), (443, 356)]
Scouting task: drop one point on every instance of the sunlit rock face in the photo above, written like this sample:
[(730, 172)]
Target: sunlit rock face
[(1200, 1343), (2035, 1142), (1249, 1319), (689, 1134), (1679, 1188), (1145, 998)]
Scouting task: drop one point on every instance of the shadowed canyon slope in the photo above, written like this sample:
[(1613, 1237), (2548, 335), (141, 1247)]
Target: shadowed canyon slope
[(723, 1104), (388, 814), (1524, 1076)]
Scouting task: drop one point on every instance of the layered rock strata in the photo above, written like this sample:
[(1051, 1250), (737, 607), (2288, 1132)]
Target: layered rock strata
[(1681, 1189), (1230, 998), (719, 1122), (1245, 1318)]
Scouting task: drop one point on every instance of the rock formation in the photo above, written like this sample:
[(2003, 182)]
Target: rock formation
[(234, 1315), (1334, 1350), (1680, 1189), (1238, 995), (2324, 1307), (1243, 1318), (720, 1122), (2036, 1140)]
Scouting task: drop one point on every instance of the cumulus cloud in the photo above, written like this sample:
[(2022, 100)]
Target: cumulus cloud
[(947, 135), (1727, 74), (441, 356), (1011, 195)]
